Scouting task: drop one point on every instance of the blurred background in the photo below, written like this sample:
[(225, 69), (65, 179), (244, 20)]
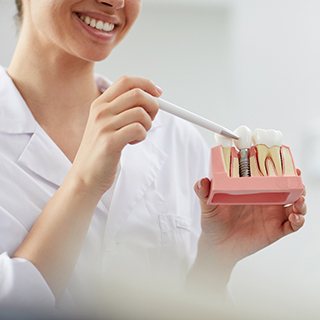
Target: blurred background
[(238, 62)]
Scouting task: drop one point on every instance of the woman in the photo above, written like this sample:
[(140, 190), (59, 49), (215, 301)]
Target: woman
[(94, 178)]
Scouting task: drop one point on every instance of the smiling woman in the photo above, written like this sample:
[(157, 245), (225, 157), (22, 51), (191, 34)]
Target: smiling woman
[(96, 182)]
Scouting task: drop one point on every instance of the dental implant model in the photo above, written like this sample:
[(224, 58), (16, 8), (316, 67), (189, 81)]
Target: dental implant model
[(244, 144), (257, 169)]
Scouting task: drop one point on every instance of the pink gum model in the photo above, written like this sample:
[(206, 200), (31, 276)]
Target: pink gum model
[(279, 190)]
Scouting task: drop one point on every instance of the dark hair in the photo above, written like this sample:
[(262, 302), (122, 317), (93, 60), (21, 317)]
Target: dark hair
[(20, 9)]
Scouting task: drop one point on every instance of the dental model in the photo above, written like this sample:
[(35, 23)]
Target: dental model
[(244, 145), (259, 169)]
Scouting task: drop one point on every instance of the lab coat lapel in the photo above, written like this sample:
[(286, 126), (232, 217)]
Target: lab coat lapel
[(140, 165), (42, 156)]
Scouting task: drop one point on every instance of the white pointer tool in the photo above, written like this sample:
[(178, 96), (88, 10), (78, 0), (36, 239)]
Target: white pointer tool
[(196, 119)]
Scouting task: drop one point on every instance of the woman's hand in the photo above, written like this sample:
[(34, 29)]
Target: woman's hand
[(231, 233), (121, 115)]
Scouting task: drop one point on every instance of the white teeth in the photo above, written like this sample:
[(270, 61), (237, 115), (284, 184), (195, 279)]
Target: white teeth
[(268, 137), (108, 27), (87, 20), (224, 141), (278, 138), (245, 138), (93, 23), (97, 24), (260, 136)]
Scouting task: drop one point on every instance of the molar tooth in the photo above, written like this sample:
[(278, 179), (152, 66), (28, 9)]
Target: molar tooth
[(270, 167), (260, 136), (254, 167), (223, 141), (278, 138), (275, 142), (268, 137), (268, 147), (262, 154), (226, 150), (275, 155), (287, 162), (234, 164)]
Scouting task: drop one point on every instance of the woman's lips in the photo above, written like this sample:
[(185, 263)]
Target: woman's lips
[(98, 35)]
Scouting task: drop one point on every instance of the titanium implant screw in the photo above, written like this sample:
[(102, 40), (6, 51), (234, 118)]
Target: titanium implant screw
[(244, 163)]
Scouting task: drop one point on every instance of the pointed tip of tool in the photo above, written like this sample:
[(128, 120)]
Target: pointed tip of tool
[(229, 134)]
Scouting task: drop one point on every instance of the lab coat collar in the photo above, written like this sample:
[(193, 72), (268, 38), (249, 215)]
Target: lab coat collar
[(15, 116), (42, 156)]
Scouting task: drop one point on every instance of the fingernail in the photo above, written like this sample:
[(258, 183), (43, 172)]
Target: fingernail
[(200, 183), (297, 217), (159, 90)]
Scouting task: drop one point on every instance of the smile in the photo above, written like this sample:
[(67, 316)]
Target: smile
[(97, 24)]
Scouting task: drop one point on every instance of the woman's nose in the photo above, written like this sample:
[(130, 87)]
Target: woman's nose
[(115, 4)]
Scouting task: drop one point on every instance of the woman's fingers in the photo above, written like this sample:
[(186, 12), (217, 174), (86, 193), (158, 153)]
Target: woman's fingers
[(125, 84), (134, 98), (202, 189), (121, 115), (295, 216), (294, 223), (133, 115), (299, 207), (132, 133)]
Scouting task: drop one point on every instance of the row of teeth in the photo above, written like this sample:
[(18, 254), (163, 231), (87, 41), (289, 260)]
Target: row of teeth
[(247, 138), (97, 24)]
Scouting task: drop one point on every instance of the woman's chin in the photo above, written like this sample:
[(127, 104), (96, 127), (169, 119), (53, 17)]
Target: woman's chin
[(96, 56), (92, 55)]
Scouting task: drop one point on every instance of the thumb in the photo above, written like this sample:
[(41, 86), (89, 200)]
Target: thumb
[(202, 189)]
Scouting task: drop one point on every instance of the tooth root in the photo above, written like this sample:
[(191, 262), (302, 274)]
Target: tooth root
[(287, 162), (234, 165), (270, 167), (254, 168), (275, 155), (262, 154), (227, 159)]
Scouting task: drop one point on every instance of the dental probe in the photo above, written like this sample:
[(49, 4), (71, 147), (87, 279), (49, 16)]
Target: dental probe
[(196, 119)]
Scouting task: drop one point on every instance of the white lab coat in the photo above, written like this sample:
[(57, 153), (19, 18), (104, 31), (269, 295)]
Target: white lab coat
[(151, 223)]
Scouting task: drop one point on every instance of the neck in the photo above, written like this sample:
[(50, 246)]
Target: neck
[(52, 81)]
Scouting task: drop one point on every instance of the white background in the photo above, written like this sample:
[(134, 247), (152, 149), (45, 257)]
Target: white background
[(253, 62)]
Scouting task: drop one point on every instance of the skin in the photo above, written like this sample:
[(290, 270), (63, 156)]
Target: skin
[(61, 58), (231, 233)]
